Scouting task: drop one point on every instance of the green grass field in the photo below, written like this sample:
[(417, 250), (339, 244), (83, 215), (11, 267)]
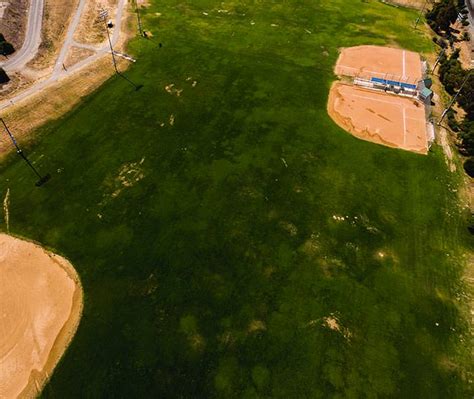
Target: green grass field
[(216, 230)]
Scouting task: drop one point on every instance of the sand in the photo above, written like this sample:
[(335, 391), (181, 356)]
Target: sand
[(380, 62), (40, 308), (378, 117)]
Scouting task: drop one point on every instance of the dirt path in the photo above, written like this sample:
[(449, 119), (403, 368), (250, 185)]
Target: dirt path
[(41, 303)]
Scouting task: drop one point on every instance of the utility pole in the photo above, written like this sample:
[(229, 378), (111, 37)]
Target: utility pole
[(139, 19), (454, 98), (421, 13), (42, 179), (437, 61), (103, 15)]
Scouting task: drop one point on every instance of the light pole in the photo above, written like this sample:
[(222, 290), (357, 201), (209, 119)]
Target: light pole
[(139, 19), (103, 15), (42, 179), (454, 98), (421, 13), (437, 61)]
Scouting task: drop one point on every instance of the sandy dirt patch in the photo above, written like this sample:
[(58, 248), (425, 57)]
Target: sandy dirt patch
[(380, 62), (466, 55), (40, 309), (77, 54), (418, 4), (386, 119)]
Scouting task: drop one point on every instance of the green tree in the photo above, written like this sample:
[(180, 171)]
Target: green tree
[(466, 97), (6, 48), (469, 167), (442, 15)]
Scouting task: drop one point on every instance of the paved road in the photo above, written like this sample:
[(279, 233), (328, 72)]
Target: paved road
[(470, 6), (32, 39), (58, 72)]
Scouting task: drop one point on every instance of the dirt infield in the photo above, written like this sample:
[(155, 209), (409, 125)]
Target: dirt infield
[(40, 309), (379, 62), (382, 118)]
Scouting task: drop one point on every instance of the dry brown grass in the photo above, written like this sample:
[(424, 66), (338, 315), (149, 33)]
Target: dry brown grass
[(13, 23), (57, 16), (91, 28), (17, 82), (418, 4), (77, 54)]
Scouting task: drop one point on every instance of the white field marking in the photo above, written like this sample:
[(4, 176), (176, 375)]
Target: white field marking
[(404, 127), (367, 71), (6, 204), (377, 100)]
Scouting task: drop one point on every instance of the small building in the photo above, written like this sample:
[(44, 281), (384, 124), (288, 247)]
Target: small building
[(426, 95), (428, 83)]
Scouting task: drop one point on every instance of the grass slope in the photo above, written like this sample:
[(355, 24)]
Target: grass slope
[(207, 227)]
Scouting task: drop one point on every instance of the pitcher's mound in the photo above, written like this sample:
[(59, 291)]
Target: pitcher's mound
[(40, 309)]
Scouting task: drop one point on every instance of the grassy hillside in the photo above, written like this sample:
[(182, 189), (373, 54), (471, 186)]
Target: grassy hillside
[(231, 239)]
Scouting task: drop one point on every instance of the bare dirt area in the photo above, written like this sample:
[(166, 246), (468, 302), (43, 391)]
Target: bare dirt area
[(379, 62), (374, 115), (77, 54), (390, 120), (418, 4), (57, 16), (92, 28), (40, 310), (465, 54), (13, 21), (17, 82)]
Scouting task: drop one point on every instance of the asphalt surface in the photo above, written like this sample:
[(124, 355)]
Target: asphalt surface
[(32, 39), (59, 72)]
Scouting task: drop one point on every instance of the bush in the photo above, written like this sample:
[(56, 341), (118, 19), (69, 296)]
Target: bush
[(3, 76), (452, 122), (466, 97), (466, 36), (6, 48), (469, 167)]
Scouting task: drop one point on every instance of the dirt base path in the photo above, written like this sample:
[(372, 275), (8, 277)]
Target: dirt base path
[(41, 304), (393, 121)]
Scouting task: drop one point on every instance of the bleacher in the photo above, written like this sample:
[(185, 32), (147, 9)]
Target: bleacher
[(394, 83)]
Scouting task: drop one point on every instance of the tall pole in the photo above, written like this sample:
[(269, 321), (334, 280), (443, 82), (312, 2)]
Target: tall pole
[(421, 13), (104, 14), (437, 61), (139, 19), (454, 98), (42, 179)]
